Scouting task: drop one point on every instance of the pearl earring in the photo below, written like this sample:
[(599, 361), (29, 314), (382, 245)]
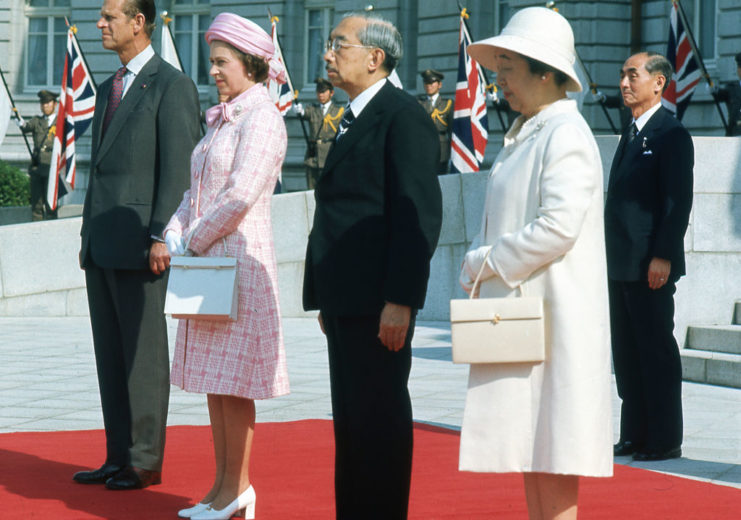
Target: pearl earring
[(543, 77)]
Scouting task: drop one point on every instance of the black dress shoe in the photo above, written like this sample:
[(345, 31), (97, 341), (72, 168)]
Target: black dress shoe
[(624, 448), (674, 453), (133, 478), (97, 476)]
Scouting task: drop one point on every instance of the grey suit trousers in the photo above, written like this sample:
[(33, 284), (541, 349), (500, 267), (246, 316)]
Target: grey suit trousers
[(131, 353)]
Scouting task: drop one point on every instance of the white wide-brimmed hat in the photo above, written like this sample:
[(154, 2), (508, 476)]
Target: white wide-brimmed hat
[(538, 33)]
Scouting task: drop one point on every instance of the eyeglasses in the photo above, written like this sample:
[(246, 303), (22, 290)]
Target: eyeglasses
[(335, 45)]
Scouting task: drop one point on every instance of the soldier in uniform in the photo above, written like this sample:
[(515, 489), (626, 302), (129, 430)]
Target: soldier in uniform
[(324, 120), (42, 129), (731, 94), (440, 110)]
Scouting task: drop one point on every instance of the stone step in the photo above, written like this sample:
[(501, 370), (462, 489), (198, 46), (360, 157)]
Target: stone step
[(716, 338), (712, 368)]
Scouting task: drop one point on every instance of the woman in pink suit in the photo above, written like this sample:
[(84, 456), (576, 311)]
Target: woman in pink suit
[(227, 211)]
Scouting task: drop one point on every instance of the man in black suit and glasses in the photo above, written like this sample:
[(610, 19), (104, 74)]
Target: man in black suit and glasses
[(376, 226), (649, 198), (145, 126)]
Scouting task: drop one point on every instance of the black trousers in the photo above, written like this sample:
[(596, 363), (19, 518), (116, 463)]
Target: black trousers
[(648, 368), (372, 414), (39, 208), (131, 355)]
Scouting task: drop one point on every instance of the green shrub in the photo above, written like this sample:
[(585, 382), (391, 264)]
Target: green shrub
[(15, 187)]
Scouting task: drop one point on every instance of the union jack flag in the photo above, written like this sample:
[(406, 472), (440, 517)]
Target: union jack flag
[(281, 94), (75, 112), (470, 123), (686, 68)]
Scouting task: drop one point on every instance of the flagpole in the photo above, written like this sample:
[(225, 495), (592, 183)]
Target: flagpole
[(463, 13), (274, 20), (698, 56), (82, 56), (592, 85), (15, 111)]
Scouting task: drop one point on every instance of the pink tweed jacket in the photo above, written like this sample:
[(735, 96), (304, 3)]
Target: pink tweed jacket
[(233, 174)]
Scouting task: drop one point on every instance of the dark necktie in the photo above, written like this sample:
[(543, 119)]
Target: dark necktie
[(632, 132), (347, 120), (114, 98)]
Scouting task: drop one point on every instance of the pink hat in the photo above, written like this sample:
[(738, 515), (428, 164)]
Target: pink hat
[(249, 38)]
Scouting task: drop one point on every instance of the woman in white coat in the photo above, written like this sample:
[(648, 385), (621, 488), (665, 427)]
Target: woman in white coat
[(542, 231)]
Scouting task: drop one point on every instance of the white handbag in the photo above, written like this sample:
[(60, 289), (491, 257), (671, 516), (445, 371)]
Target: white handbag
[(202, 288), (497, 330)]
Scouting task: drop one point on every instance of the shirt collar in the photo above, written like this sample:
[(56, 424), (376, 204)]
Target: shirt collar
[(643, 118), (361, 100), (433, 98), (136, 64)]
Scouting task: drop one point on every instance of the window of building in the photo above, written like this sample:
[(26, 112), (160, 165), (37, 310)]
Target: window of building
[(190, 20), (503, 13), (46, 42), (318, 26), (701, 15)]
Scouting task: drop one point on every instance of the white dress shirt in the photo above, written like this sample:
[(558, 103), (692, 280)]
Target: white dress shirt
[(134, 67), (643, 118)]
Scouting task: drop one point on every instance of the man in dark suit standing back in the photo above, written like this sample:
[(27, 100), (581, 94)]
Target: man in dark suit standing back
[(145, 126), (731, 94), (376, 226), (647, 209)]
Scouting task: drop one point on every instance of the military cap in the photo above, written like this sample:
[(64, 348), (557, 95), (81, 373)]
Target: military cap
[(45, 96), (738, 59), (431, 76), (323, 84)]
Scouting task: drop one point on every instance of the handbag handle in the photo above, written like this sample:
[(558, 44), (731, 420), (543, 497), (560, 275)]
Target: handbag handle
[(481, 271)]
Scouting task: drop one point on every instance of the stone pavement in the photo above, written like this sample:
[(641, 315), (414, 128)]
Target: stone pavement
[(48, 383)]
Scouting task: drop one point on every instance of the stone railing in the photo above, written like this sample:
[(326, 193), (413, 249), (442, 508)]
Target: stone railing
[(39, 274)]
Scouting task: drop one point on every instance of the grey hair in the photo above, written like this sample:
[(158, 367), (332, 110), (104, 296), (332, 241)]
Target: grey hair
[(658, 64), (382, 34)]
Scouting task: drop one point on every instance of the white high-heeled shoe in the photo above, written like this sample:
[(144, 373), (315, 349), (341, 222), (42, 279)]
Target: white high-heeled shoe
[(192, 511), (244, 503)]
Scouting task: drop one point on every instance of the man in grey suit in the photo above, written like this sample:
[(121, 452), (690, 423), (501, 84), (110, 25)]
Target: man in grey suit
[(145, 126)]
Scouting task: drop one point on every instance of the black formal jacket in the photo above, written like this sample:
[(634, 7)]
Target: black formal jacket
[(649, 198), (731, 94), (141, 166), (378, 211)]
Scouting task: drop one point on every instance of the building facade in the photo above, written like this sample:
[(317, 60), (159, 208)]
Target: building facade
[(33, 39)]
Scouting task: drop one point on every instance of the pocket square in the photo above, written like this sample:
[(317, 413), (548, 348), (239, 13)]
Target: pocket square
[(647, 152)]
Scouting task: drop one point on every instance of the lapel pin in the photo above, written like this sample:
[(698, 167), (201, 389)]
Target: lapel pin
[(644, 143)]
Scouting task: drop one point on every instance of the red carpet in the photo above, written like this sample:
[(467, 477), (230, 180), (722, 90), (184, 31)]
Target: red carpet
[(292, 473)]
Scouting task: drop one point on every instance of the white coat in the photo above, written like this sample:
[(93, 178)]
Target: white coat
[(543, 216)]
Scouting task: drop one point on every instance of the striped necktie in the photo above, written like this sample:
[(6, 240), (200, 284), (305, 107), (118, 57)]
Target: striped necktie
[(632, 132), (114, 98), (347, 120)]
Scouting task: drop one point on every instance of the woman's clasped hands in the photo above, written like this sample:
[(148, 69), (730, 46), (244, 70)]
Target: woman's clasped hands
[(473, 262)]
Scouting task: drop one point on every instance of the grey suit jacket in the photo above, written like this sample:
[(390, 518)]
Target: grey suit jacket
[(140, 168)]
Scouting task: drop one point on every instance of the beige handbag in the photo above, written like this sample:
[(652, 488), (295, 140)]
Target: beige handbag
[(497, 330)]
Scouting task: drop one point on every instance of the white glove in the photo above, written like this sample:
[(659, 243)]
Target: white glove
[(465, 282), (299, 108), (474, 260), (174, 242)]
